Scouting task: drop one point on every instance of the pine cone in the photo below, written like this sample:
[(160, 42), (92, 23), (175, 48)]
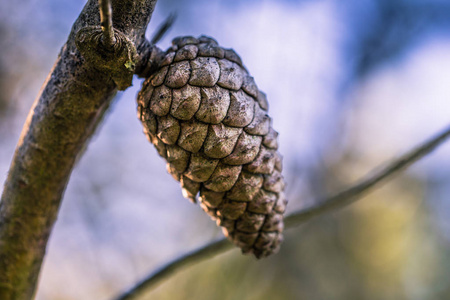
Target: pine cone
[(205, 115)]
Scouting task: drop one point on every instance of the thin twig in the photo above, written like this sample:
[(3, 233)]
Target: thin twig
[(333, 203), (106, 22), (163, 28)]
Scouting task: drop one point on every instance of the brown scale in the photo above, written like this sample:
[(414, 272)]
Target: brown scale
[(205, 115)]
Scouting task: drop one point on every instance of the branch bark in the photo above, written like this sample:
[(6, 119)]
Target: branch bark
[(330, 204), (63, 117)]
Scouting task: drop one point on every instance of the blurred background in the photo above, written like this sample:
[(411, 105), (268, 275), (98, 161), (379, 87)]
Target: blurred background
[(351, 84)]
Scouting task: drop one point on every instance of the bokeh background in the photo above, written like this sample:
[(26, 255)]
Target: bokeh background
[(351, 84)]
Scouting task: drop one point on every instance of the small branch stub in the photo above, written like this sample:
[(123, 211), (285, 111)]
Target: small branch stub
[(106, 22), (119, 60)]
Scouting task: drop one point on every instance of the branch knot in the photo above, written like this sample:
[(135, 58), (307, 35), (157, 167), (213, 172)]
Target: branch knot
[(118, 60)]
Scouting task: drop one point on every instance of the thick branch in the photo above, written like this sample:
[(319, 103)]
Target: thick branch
[(73, 98), (340, 200)]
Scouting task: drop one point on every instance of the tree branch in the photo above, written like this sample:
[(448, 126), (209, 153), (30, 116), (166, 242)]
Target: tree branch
[(74, 97), (203, 253), (330, 204), (354, 193)]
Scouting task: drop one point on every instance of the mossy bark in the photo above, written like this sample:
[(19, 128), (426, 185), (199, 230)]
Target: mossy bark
[(74, 97)]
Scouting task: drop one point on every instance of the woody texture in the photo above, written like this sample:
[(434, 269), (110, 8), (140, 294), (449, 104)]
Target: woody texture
[(206, 117)]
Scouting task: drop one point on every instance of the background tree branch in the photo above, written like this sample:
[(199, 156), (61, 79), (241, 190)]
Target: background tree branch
[(63, 117), (330, 204)]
